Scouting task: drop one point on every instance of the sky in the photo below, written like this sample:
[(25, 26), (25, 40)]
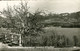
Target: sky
[(55, 6)]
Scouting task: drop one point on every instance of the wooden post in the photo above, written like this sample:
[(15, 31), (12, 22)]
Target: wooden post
[(20, 40), (12, 38), (5, 36)]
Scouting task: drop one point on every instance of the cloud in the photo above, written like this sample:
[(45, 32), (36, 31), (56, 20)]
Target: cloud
[(58, 6)]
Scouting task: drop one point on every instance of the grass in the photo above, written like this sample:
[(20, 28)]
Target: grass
[(38, 49)]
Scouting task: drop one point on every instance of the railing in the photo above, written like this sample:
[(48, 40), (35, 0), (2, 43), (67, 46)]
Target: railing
[(12, 37)]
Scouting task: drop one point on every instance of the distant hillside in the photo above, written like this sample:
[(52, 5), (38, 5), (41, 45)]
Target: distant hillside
[(63, 20)]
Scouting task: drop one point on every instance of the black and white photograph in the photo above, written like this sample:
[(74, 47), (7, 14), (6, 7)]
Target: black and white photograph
[(39, 25)]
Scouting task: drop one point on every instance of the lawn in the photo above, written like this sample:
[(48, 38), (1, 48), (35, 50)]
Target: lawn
[(40, 49)]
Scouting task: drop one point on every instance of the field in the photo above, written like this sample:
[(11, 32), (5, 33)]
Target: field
[(68, 32), (39, 49)]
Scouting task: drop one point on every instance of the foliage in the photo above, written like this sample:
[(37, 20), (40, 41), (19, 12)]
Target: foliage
[(75, 40), (21, 21)]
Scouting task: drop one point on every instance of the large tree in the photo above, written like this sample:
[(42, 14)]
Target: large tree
[(20, 20)]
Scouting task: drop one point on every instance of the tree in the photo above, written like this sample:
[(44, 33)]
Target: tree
[(75, 40), (24, 22), (67, 42)]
